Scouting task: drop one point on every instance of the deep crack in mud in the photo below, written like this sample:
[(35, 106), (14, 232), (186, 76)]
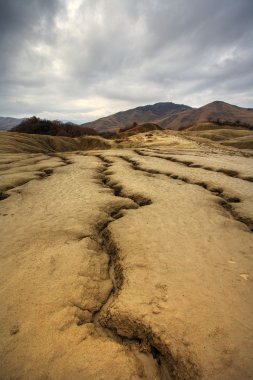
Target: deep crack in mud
[(107, 244), (142, 338)]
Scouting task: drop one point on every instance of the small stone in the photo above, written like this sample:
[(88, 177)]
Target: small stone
[(155, 310), (245, 276), (14, 329), (83, 316)]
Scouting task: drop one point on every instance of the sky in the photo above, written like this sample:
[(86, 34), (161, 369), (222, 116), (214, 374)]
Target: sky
[(79, 60)]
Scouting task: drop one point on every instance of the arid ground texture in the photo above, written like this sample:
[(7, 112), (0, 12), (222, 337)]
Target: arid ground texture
[(128, 260)]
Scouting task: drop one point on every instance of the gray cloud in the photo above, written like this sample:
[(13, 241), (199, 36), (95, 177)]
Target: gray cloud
[(82, 59)]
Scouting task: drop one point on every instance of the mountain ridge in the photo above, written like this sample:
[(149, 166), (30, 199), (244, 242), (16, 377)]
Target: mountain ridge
[(140, 114), (166, 115)]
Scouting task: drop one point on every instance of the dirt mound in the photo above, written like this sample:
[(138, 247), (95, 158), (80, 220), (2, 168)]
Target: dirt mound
[(139, 128)]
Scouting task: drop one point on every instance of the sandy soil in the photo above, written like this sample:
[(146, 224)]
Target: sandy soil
[(127, 264)]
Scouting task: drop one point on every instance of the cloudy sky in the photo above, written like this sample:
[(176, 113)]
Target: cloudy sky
[(82, 59)]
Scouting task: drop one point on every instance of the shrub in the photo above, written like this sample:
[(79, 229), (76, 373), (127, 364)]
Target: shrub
[(35, 125)]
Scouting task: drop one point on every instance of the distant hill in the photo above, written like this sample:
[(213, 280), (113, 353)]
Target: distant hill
[(7, 123), (217, 111), (149, 113)]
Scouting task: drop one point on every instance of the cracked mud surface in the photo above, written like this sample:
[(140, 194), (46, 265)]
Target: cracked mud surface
[(126, 264)]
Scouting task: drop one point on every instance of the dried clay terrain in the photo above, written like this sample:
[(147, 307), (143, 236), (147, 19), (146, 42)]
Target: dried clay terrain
[(127, 263)]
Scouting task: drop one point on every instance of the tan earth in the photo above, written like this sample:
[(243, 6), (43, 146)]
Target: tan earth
[(127, 263)]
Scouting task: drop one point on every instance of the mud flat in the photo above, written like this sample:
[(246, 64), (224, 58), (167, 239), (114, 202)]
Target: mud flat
[(127, 264)]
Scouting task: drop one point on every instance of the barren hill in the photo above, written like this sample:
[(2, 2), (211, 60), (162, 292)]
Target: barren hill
[(148, 113), (215, 111)]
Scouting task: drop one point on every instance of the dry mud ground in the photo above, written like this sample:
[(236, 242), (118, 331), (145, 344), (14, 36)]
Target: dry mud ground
[(127, 264)]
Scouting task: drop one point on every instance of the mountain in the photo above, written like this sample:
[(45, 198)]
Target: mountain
[(217, 111), (7, 123), (150, 113), (174, 116)]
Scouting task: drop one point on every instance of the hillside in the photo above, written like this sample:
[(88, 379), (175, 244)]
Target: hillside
[(34, 143), (7, 123), (149, 113), (215, 111)]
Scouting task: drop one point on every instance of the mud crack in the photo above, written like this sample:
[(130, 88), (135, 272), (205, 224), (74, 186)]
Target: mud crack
[(191, 164), (65, 160), (117, 189), (103, 235), (106, 244), (41, 174), (225, 201), (142, 337), (3, 195)]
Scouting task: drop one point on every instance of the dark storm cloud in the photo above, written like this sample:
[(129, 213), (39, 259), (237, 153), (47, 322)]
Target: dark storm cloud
[(16, 15), (22, 22), (86, 58)]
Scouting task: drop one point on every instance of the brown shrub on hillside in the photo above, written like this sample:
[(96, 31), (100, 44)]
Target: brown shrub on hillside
[(35, 125)]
